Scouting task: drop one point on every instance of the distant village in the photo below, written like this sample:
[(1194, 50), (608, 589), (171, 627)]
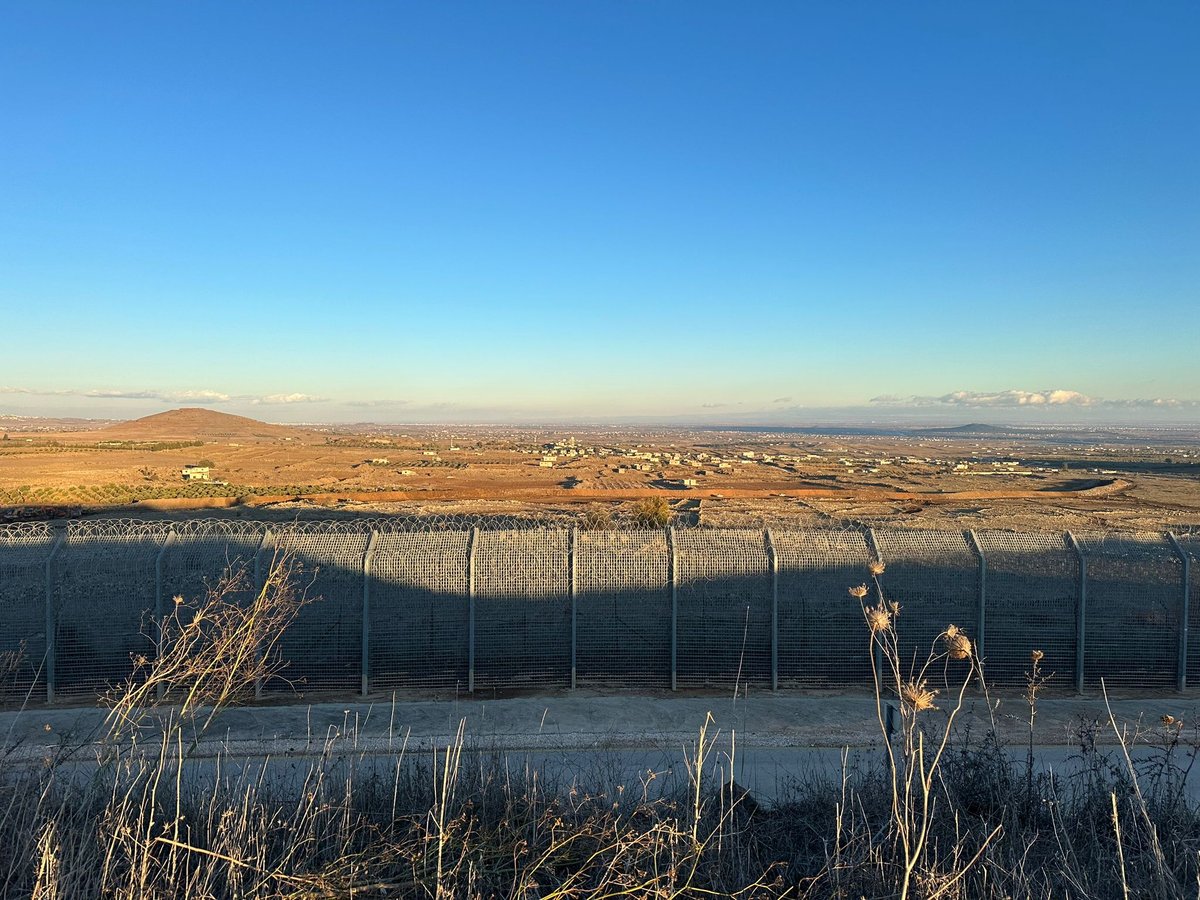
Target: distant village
[(686, 469)]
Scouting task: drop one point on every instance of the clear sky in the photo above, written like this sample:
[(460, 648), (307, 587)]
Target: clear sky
[(520, 211)]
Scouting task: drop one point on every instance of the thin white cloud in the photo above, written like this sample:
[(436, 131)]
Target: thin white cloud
[(1017, 399), (201, 397), (374, 403), (120, 395), (197, 397), (35, 392), (287, 398)]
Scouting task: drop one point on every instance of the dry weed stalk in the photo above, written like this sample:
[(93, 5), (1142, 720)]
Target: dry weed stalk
[(912, 776), (211, 654), (1035, 683), (11, 664)]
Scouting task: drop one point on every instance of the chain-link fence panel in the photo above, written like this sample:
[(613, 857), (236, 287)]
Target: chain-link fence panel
[(104, 595), (24, 549), (934, 576), (419, 611), (205, 558), (623, 608), (1190, 544), (823, 640), (723, 606), (522, 609), (108, 577), (1032, 596), (322, 649), (1134, 601)]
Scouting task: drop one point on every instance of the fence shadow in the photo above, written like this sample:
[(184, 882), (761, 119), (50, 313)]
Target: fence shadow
[(489, 610)]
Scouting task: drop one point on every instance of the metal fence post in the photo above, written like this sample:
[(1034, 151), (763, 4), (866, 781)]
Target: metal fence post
[(51, 619), (368, 558), (472, 542), (573, 583), (1184, 611), (981, 613), (773, 561), (1080, 613), (673, 575), (159, 613), (266, 542), (873, 543)]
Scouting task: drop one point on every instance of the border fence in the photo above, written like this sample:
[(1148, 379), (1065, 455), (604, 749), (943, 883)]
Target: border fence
[(491, 606)]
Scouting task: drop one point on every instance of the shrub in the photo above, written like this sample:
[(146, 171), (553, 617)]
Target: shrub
[(597, 517), (652, 512)]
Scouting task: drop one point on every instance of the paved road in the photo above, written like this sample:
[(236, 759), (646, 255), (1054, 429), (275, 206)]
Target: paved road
[(766, 741)]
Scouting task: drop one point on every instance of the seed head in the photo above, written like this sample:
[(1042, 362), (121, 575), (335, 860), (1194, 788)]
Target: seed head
[(917, 696), (876, 567), (1169, 721), (879, 619), (1036, 656), (178, 600), (859, 591), (958, 645)]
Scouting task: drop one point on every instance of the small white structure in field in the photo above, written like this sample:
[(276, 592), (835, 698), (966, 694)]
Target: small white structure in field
[(196, 473)]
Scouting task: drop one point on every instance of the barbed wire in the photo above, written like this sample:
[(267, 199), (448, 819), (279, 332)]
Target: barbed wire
[(117, 529), (25, 533), (127, 527)]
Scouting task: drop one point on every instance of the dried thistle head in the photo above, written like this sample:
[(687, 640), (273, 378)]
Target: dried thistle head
[(917, 696), (178, 600), (1036, 656), (859, 591), (1171, 722), (876, 567), (958, 645), (879, 618)]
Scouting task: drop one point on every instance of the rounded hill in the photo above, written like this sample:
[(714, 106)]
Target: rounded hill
[(196, 424)]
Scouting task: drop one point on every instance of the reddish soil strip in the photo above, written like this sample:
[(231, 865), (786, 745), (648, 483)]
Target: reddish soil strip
[(579, 494)]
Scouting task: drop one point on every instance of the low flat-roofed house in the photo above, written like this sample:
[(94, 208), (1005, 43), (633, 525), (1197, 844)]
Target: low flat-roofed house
[(196, 473)]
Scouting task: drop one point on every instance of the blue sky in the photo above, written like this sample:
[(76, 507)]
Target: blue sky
[(600, 211)]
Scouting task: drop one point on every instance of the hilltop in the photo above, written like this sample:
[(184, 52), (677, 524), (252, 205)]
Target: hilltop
[(196, 424)]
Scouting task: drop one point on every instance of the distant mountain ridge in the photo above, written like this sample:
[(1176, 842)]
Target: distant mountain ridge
[(193, 423), (971, 428)]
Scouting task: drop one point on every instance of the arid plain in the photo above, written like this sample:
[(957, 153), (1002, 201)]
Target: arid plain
[(975, 476)]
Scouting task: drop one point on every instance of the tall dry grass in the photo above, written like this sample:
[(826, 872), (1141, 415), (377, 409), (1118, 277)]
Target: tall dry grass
[(941, 813)]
